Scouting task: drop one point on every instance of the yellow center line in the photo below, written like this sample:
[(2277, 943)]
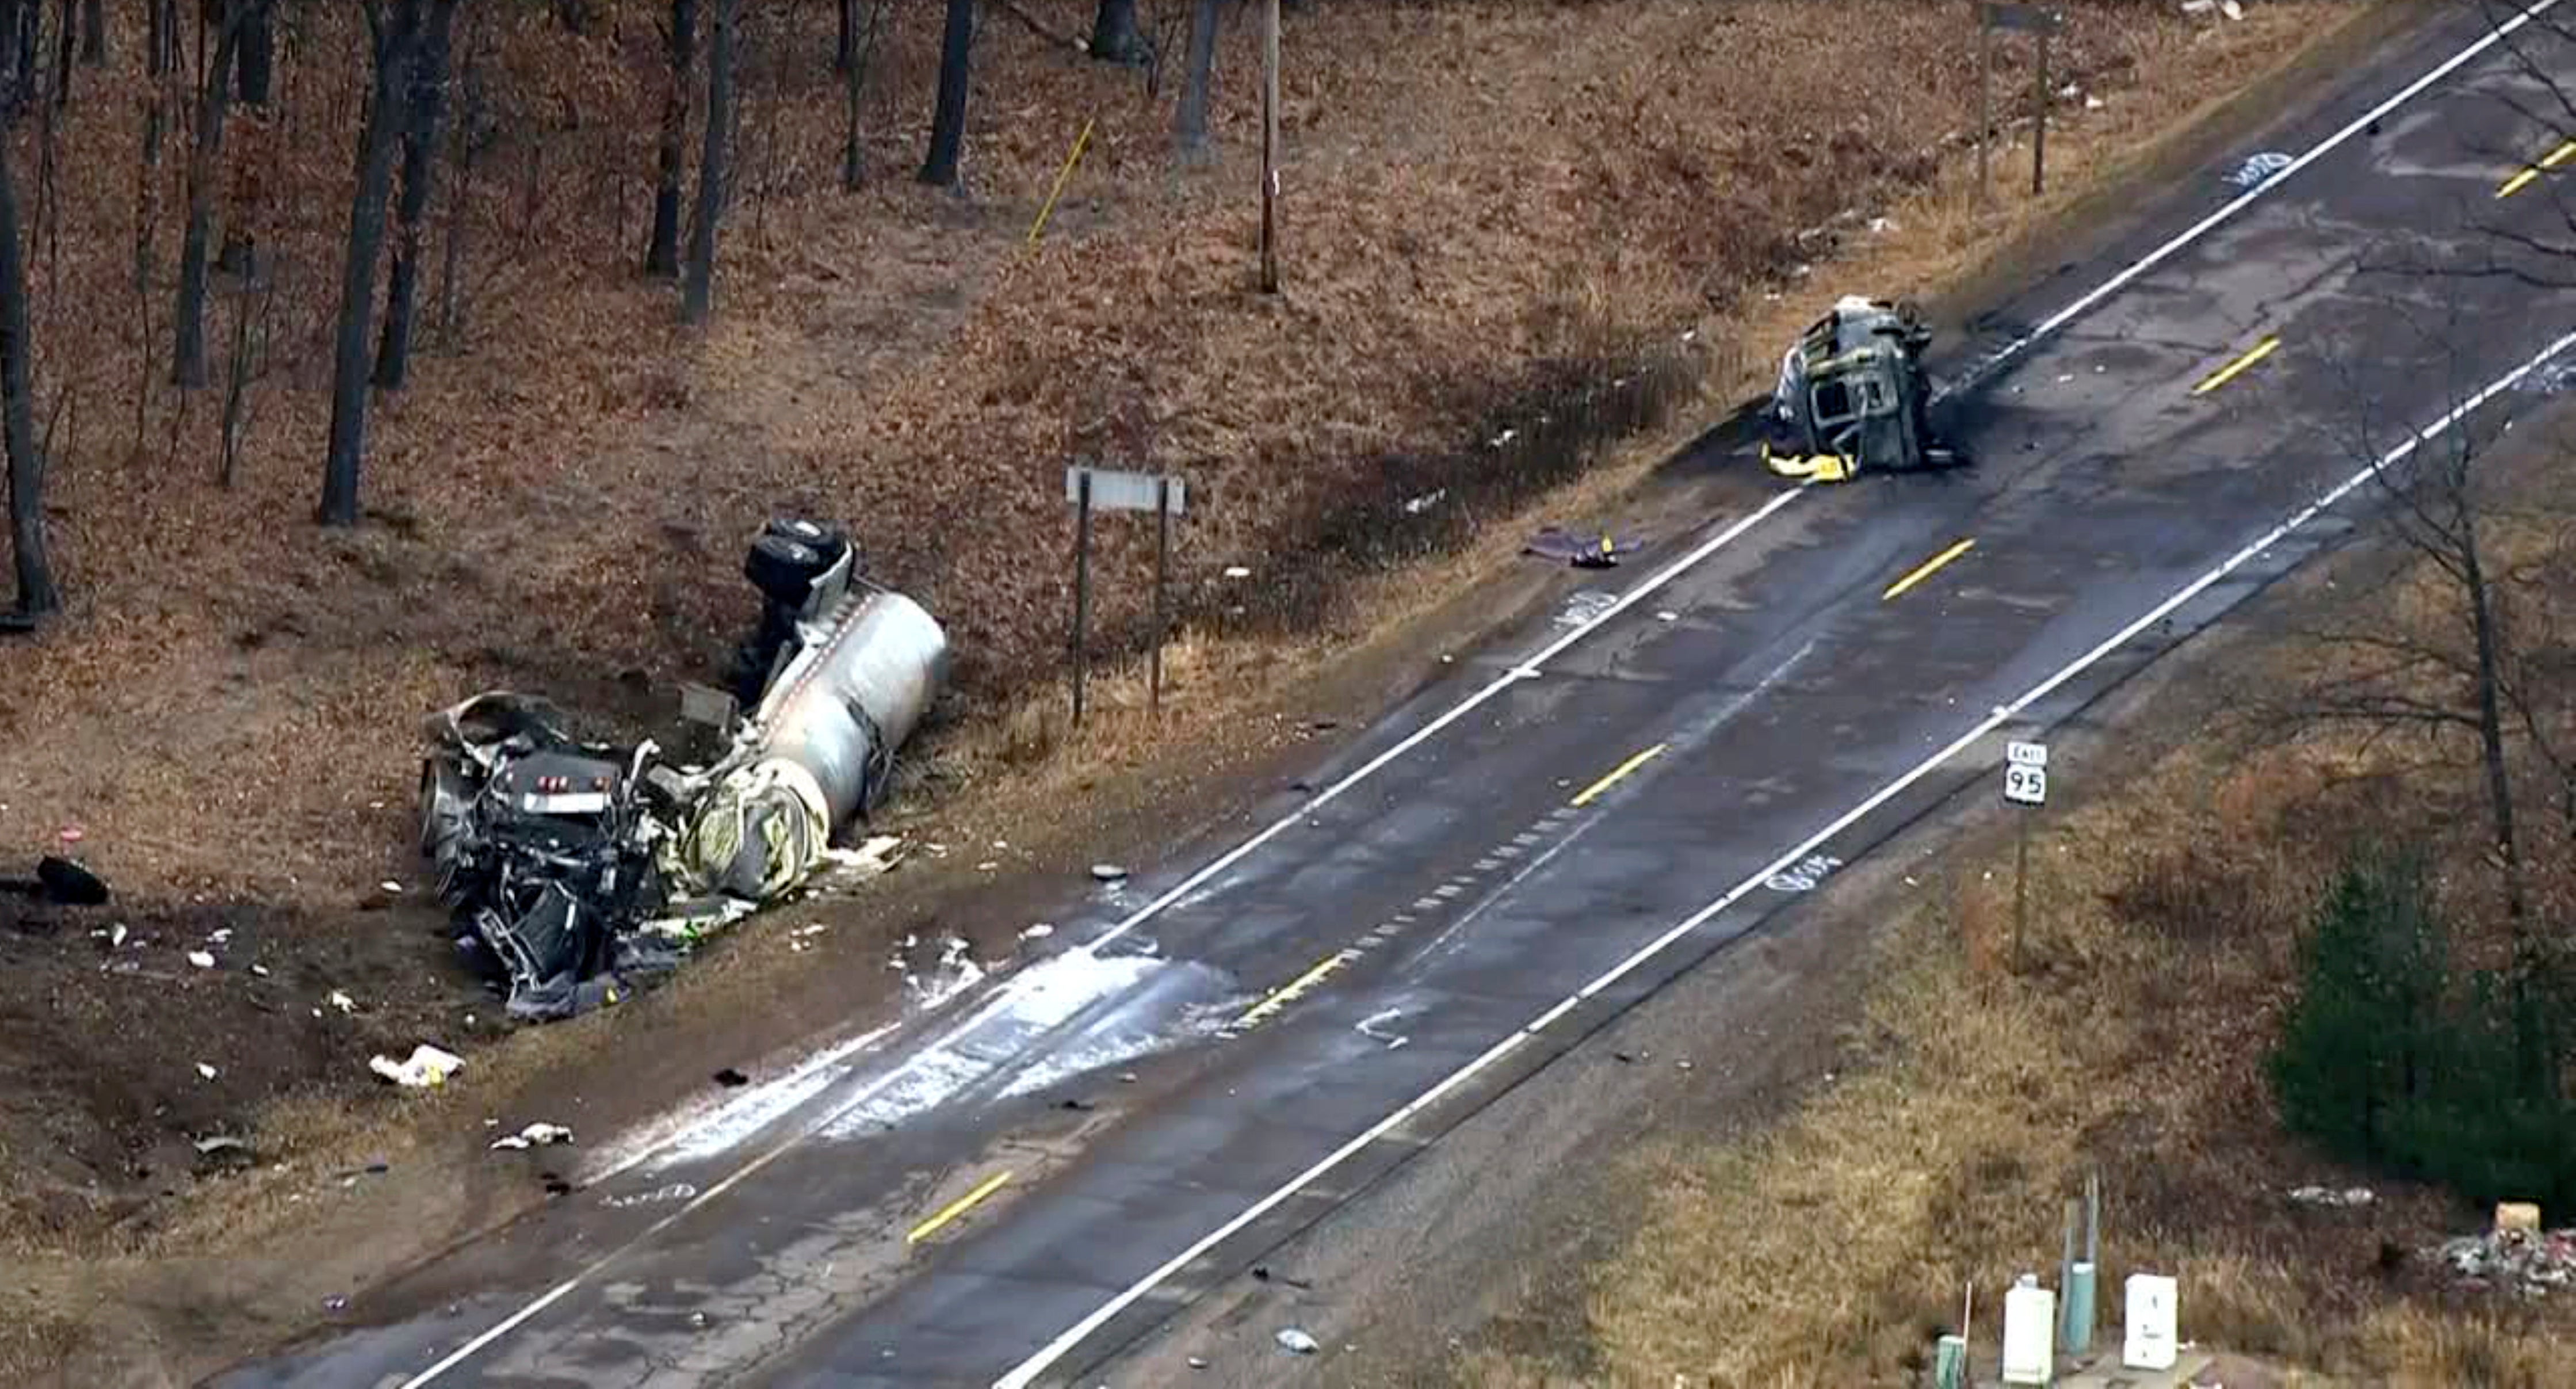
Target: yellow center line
[(2517, 183), (1289, 992), (2560, 155), (1926, 569), (956, 1208), (2236, 368), (1593, 792)]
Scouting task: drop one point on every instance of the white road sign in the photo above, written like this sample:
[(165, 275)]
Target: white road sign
[(2026, 754), (2025, 785), (1124, 491)]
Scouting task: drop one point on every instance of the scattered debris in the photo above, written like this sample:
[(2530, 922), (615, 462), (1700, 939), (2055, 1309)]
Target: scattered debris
[(1415, 506), (426, 1066), (1237, 571), (389, 885), (1198, 1362), (72, 834), (1040, 931), (1108, 872), (2520, 1261), (260, 970), (1881, 226), (564, 861), (221, 935), (210, 1146), (335, 1303), (205, 1071), (1292, 1339), (342, 1002), (2331, 1196), (2260, 169), (1668, 615), (1587, 551), (731, 1078), (201, 959), (60, 881), (537, 1135), (556, 1185), (116, 935)]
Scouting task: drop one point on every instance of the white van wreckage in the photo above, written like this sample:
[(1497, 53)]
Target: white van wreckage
[(577, 869)]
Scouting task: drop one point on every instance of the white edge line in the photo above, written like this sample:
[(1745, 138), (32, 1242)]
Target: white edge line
[(2201, 228), (1027, 1371), (1528, 669)]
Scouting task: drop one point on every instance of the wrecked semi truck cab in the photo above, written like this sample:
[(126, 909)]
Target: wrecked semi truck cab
[(571, 867), (1853, 395)]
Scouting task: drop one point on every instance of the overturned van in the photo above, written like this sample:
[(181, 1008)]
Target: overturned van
[(1853, 395)]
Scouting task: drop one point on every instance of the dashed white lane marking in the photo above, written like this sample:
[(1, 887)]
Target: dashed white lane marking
[(1021, 1375)]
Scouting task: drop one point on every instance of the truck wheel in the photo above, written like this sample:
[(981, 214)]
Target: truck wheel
[(783, 569), (442, 803)]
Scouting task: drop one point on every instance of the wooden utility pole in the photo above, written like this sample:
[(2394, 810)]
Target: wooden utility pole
[(1269, 146)]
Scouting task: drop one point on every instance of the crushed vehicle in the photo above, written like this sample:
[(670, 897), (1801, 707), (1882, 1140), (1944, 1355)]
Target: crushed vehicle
[(1854, 395), (574, 869)]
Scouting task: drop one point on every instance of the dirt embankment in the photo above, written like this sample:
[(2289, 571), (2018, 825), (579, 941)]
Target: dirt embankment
[(1493, 212)]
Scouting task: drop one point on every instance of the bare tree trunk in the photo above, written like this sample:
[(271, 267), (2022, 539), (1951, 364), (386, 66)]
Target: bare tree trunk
[(948, 115), (94, 32), (845, 44), (853, 78), (1193, 131), (65, 46), (395, 32), (662, 255), (419, 165), (451, 312), (36, 592), (1114, 35), (238, 373), (697, 294), (188, 356), (257, 60)]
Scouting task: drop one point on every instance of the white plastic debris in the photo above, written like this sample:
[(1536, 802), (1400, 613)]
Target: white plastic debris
[(201, 959), (260, 970), (1108, 872), (221, 935), (1290, 1338), (390, 885), (205, 1070), (116, 935), (537, 1135), (342, 1002), (426, 1066), (2331, 1196), (1040, 931), (1237, 571)]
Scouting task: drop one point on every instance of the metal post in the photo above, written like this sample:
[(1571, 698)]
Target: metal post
[(2021, 885), (2039, 131), (1269, 146), (1081, 588), (1985, 102), (1162, 569)]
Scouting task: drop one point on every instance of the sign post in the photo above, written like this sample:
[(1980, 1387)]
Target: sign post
[(2025, 786), (1093, 488), (1269, 146), (2017, 18)]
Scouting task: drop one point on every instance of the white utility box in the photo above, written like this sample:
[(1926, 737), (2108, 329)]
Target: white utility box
[(2030, 1333), (2149, 1326)]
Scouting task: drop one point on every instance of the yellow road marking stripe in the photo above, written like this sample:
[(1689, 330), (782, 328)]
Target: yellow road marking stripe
[(1592, 792), (956, 1208), (1290, 992), (2560, 155), (2517, 183), (2237, 368), (1925, 569)]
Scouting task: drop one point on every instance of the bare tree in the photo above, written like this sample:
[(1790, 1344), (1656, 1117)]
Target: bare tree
[(394, 30), (94, 32), (697, 293), (854, 75), (680, 40), (255, 61), (1114, 35), (37, 594), (948, 114), (1205, 16), (419, 164), (254, 303), (188, 355), (467, 138)]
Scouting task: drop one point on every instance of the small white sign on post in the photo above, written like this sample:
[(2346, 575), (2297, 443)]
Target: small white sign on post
[(2026, 754), (2025, 784), (2150, 1339)]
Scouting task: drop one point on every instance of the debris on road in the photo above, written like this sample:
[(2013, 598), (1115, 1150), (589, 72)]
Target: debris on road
[(1040, 931), (575, 868), (1292, 1339), (1586, 551), (426, 1066), (537, 1135)]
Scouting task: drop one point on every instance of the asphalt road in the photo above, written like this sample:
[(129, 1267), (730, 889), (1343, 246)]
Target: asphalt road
[(1023, 1184)]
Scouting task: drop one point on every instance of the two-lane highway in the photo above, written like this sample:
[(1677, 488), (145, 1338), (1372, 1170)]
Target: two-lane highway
[(1531, 847)]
